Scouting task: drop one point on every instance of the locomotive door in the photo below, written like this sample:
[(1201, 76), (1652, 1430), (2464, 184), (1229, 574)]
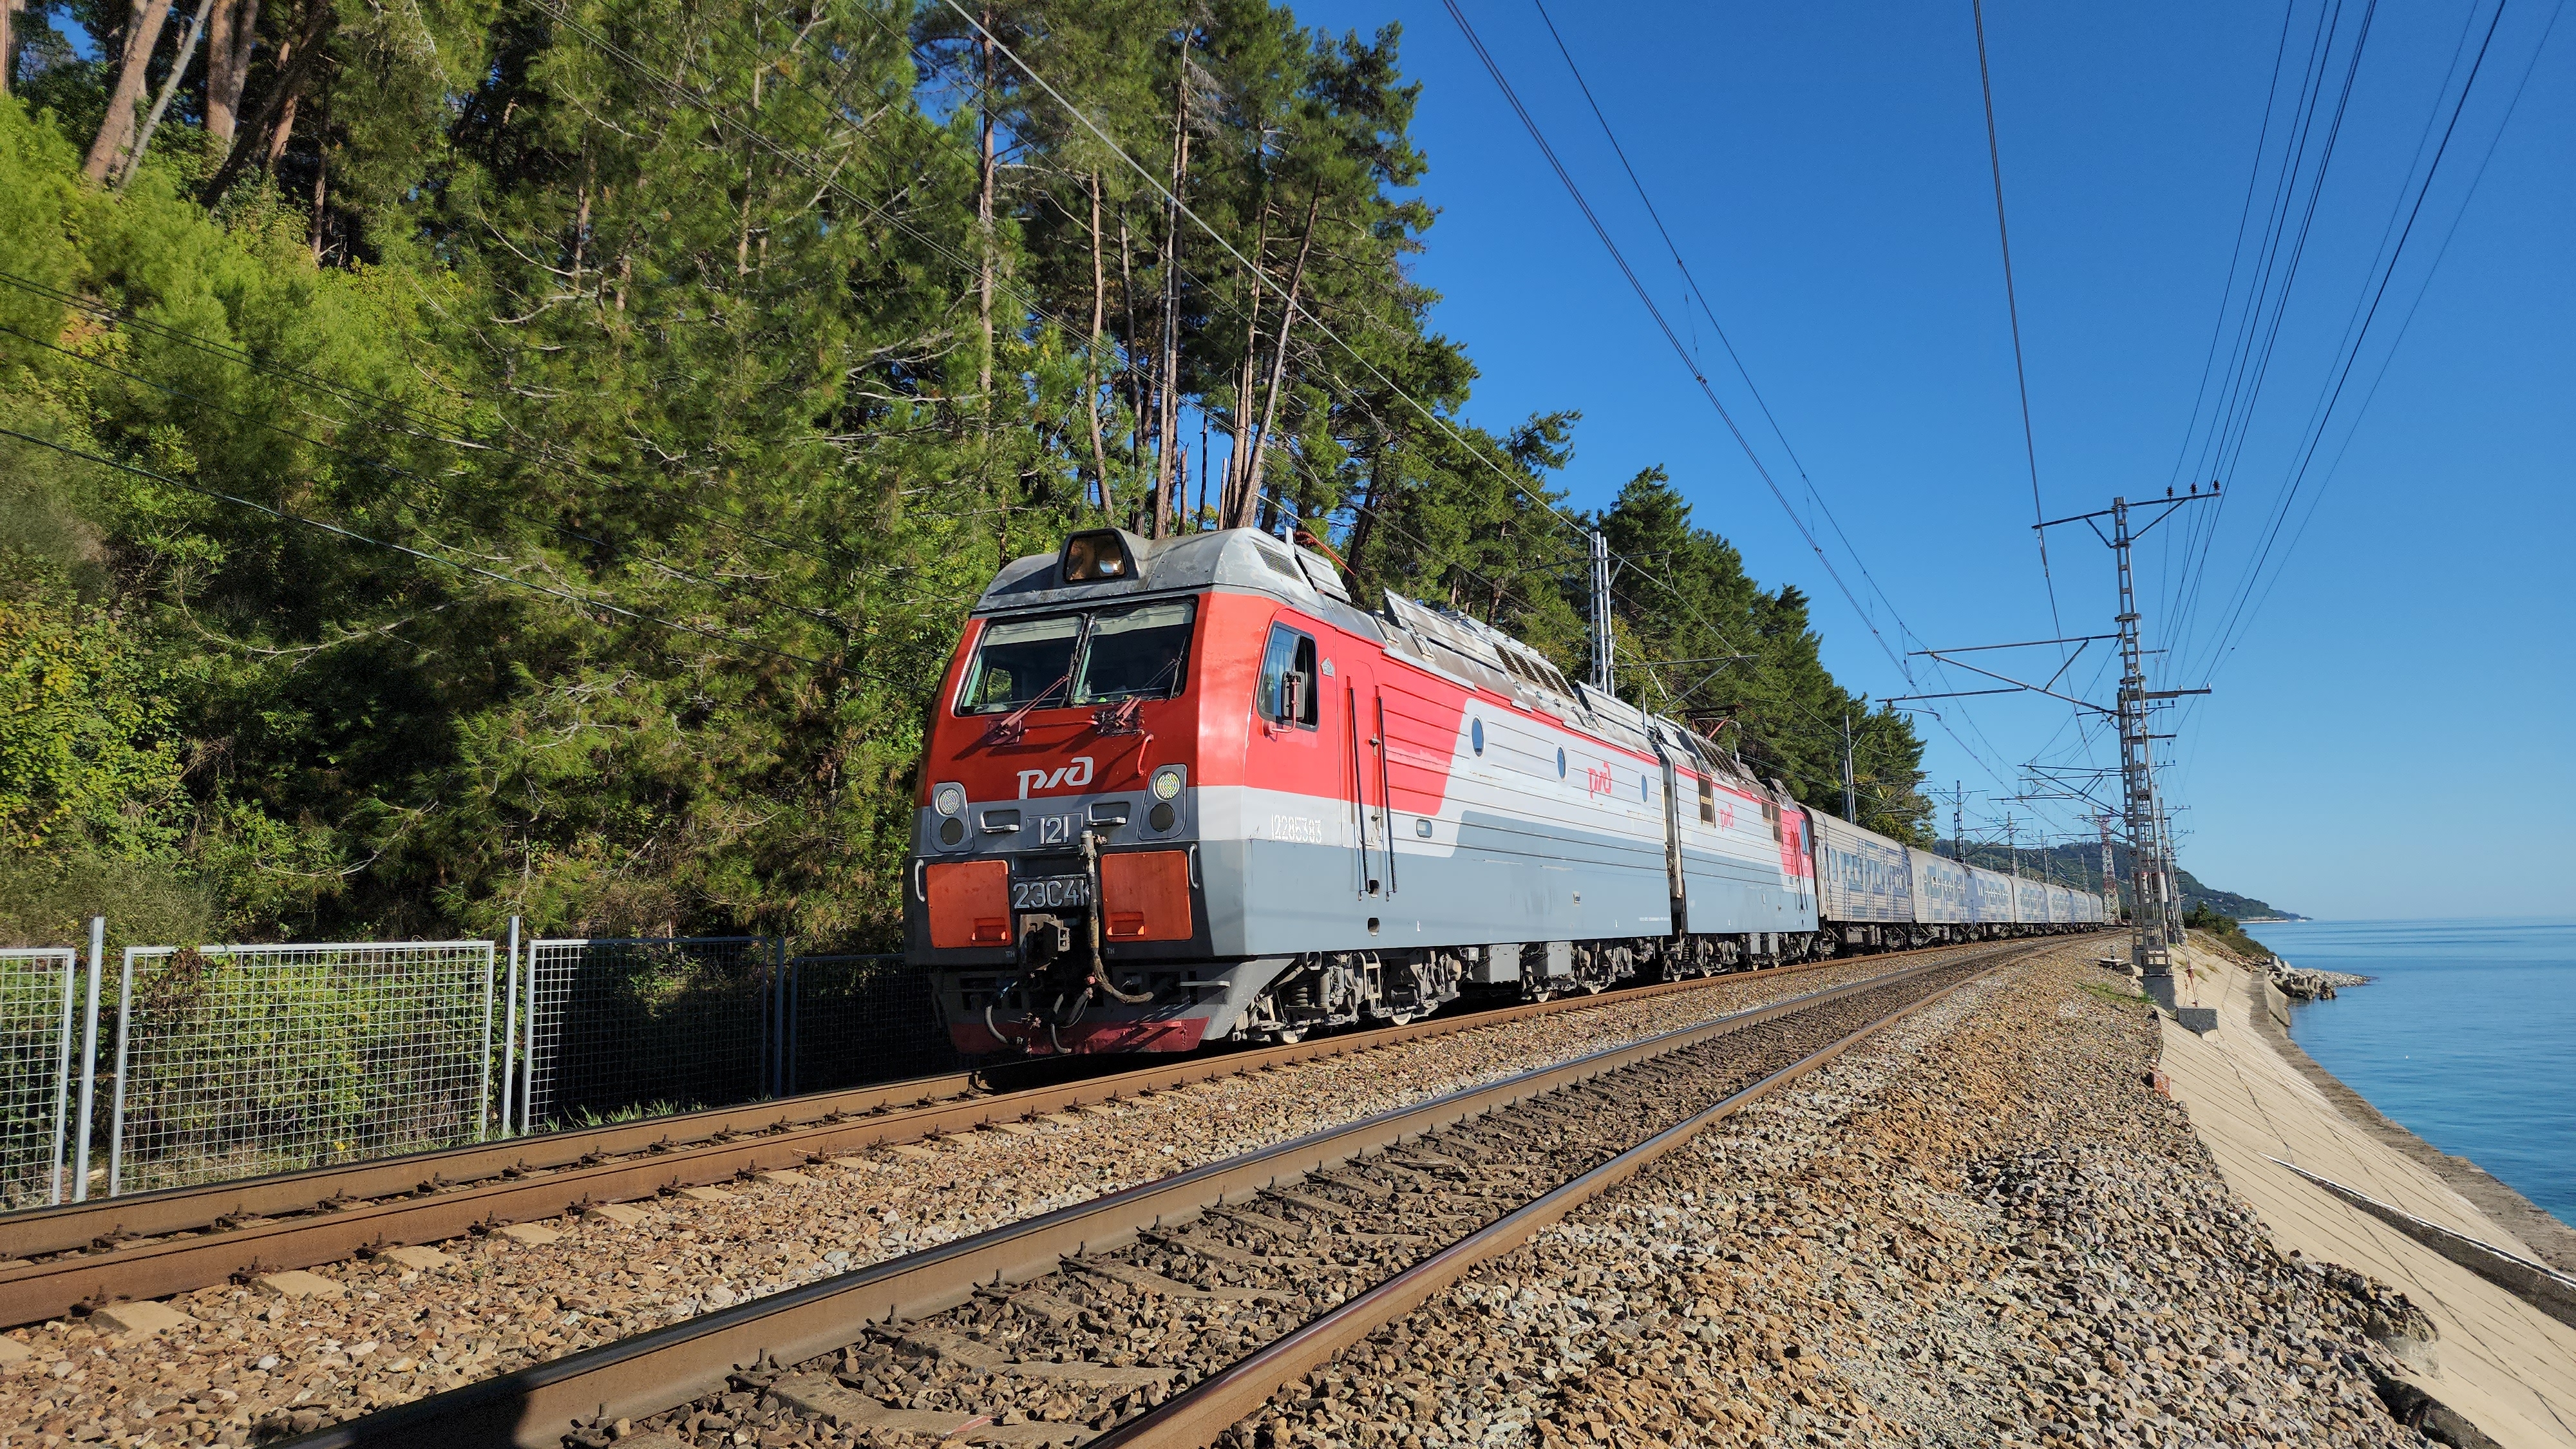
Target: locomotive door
[(1364, 782), (1672, 834)]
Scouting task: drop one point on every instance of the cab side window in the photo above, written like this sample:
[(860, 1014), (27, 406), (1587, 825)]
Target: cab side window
[(1288, 687)]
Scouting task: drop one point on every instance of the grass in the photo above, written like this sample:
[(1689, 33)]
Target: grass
[(2112, 993)]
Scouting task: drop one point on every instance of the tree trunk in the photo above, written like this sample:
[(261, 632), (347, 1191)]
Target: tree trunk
[(1366, 522), (233, 31), (169, 88), (1168, 414), (8, 41), (320, 199), (1135, 390), (1099, 309), (1279, 361), (1169, 424), (984, 219), (107, 150), (1236, 460), (581, 228), (281, 133), (297, 60)]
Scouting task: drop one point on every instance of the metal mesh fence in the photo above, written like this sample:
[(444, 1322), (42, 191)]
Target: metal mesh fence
[(35, 1074), (235, 1061), (860, 1019), (639, 1027)]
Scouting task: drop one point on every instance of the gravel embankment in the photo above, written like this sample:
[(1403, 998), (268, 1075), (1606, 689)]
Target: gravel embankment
[(247, 1363), (1984, 1228), (1061, 1356)]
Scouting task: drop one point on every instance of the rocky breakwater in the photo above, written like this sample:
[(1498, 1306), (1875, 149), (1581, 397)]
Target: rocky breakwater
[(2303, 985), (1986, 1227)]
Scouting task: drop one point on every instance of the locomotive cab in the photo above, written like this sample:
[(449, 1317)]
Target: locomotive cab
[(1095, 715)]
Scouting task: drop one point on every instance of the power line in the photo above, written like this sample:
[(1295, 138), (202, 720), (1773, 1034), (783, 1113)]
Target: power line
[(352, 536), (2352, 355), (1682, 352), (2250, 366), (1700, 296), (1026, 300), (2227, 289), (1262, 278), (415, 423), (2012, 310), (1663, 325), (391, 470), (700, 101)]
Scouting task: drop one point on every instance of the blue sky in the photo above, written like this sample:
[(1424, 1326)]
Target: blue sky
[(2386, 735)]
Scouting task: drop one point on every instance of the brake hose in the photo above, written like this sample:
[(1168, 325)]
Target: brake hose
[(1091, 921)]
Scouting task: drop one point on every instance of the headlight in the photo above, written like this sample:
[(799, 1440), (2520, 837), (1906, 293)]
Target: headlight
[(949, 800), (1167, 785)]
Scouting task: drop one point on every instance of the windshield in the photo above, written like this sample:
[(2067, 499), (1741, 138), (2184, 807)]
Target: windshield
[(1018, 660), (1137, 653), (1079, 659)]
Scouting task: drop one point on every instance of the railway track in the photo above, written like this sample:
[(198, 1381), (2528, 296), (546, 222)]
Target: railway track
[(1164, 1313), (79, 1256)]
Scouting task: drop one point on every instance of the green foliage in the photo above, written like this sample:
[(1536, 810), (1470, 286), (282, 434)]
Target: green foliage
[(1699, 639), (2229, 934), (672, 344), (293, 1064)]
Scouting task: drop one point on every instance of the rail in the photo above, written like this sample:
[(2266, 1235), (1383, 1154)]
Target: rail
[(152, 1245), (653, 1372)]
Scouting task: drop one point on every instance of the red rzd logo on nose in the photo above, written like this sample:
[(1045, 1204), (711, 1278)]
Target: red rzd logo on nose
[(1075, 774)]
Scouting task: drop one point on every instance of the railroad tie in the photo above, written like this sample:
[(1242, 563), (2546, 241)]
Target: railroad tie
[(822, 1396), (1326, 1206), (1045, 1305), (1354, 1182), (1145, 1280), (1263, 1222), (1198, 1246), (984, 1358)]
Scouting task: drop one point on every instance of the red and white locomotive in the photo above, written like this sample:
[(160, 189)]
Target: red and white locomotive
[(1185, 791)]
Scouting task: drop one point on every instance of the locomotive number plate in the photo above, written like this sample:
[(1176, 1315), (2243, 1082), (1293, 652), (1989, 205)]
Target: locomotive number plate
[(1050, 893), (1057, 829)]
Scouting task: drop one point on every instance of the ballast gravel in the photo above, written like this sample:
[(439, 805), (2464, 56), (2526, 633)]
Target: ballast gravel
[(1985, 1227), (246, 1364)]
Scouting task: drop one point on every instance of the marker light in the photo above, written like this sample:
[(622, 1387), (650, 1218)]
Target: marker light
[(949, 800), (1167, 785)]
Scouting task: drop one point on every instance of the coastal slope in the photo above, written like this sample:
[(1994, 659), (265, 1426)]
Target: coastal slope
[(2499, 1362)]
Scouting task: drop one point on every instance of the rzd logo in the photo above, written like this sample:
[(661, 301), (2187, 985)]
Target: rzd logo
[(1076, 774)]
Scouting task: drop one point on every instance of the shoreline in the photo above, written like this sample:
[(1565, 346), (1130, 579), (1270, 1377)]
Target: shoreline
[(2551, 1240), (2336, 1181)]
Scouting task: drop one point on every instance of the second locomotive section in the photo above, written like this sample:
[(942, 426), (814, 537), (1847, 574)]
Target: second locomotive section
[(1185, 791)]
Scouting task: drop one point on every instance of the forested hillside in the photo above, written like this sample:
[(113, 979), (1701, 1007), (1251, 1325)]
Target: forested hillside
[(469, 458), (2080, 866)]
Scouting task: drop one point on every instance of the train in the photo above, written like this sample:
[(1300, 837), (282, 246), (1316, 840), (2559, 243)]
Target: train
[(1186, 791)]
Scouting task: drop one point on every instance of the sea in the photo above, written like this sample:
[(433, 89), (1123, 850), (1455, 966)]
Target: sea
[(2466, 1035)]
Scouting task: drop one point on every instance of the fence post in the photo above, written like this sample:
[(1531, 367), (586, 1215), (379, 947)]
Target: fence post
[(89, 1054), (528, 1053), (786, 1022), (62, 1070), (124, 1032), (483, 1078), (510, 1016)]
